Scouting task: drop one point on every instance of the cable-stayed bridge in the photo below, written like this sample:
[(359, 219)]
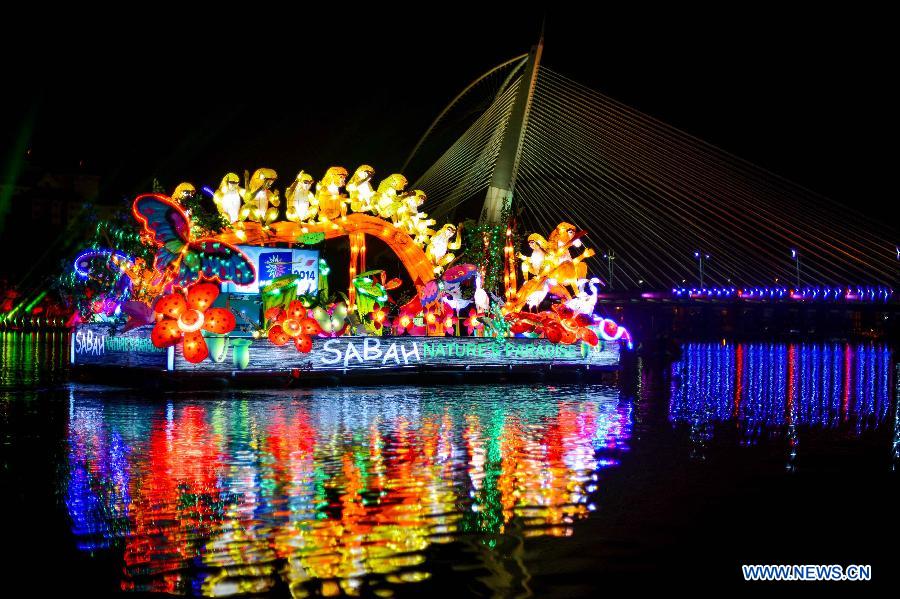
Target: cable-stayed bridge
[(663, 209)]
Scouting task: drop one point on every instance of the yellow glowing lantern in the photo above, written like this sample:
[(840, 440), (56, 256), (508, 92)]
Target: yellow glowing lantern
[(558, 268), (509, 269), (330, 201), (182, 192), (440, 245), (260, 200), (228, 197), (533, 264), (360, 189), (301, 202), (387, 196), (415, 223)]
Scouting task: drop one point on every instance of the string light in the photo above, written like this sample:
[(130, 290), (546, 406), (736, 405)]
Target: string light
[(822, 294)]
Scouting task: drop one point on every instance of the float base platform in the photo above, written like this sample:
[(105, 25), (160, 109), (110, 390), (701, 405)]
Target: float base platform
[(173, 380), (100, 354)]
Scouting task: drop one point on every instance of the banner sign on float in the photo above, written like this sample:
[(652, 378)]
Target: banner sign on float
[(271, 263), (365, 353), (101, 344)]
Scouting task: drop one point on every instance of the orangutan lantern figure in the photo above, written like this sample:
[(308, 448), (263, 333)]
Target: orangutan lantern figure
[(183, 191), (415, 223), (330, 201), (228, 197), (360, 189), (387, 196), (439, 247), (260, 201), (301, 203)]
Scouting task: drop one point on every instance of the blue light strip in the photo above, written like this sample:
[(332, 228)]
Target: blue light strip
[(819, 294), (82, 270)]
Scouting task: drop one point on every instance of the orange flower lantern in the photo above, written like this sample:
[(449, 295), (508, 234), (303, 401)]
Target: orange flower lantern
[(293, 323), (183, 317)]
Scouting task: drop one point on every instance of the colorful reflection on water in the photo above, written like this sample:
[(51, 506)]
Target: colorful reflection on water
[(330, 491), (31, 357), (770, 387), (358, 491)]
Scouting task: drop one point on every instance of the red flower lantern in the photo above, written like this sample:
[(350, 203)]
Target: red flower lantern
[(378, 317), (561, 325), (449, 322), (473, 324), (183, 316), (293, 323), (406, 323)]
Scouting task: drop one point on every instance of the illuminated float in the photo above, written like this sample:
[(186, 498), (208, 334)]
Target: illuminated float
[(238, 292)]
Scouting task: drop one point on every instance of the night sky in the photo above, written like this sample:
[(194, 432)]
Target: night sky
[(803, 96)]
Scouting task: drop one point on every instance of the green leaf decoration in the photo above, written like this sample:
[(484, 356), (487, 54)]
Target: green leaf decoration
[(280, 292), (310, 238)]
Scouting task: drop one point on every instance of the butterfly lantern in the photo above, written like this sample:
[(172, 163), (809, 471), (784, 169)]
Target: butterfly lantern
[(182, 257), (183, 260), (332, 320)]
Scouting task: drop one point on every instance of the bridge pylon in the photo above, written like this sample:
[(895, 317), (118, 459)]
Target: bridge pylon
[(500, 192)]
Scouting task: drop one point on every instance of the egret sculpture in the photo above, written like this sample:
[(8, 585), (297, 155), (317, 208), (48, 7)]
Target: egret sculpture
[(584, 302)]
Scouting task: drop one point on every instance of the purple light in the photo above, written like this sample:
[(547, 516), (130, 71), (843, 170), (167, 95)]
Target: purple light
[(82, 260), (852, 293)]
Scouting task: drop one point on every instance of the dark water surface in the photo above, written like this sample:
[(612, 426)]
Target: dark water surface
[(736, 454)]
